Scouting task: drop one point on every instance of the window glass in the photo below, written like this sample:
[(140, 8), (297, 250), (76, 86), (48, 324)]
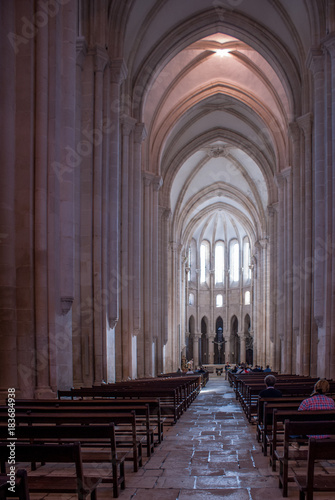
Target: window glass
[(219, 300), (247, 298), (219, 262), (234, 261)]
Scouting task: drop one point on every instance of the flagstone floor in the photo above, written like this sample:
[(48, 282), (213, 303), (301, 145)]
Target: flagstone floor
[(210, 454)]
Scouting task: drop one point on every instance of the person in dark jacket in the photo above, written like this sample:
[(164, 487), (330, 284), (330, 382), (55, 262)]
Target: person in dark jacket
[(270, 391)]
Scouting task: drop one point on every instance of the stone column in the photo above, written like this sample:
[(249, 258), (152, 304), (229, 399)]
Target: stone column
[(315, 63), (242, 347), (147, 272), (305, 123), (128, 124), (118, 72), (8, 352), (196, 338), (272, 228), (329, 44), (156, 185), (280, 291), (287, 176), (98, 322), (41, 213), (78, 380), (296, 246), (139, 136)]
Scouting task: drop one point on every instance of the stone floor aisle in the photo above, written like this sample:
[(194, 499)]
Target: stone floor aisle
[(210, 454)]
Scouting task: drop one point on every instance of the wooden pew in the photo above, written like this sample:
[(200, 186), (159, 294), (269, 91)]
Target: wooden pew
[(156, 421), (318, 449), (20, 487), (279, 417), (126, 438), (171, 405), (141, 412), (54, 453), (303, 428), (88, 434)]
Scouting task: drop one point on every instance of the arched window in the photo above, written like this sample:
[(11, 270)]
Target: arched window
[(234, 261), (204, 261), (246, 260), (219, 263), (219, 300), (247, 298)]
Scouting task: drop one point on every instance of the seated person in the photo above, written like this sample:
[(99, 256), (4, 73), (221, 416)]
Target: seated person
[(270, 391), (318, 401)]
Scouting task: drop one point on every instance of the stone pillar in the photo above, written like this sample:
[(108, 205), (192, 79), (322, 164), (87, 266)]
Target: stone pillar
[(99, 329), (156, 185), (329, 44), (147, 273), (78, 380), (196, 338), (242, 347), (118, 73), (41, 213), (272, 225), (287, 177), (305, 123), (139, 136), (296, 247), (316, 63), (280, 291), (128, 124), (8, 352)]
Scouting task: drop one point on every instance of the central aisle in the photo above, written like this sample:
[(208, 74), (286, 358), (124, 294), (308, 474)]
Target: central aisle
[(211, 453)]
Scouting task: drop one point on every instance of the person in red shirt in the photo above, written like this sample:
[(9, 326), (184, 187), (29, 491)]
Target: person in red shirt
[(318, 401)]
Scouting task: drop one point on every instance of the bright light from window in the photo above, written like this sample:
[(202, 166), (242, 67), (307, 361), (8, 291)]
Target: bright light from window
[(191, 299), (202, 263), (219, 262), (189, 264), (246, 261), (222, 52), (247, 298), (219, 300), (234, 261)]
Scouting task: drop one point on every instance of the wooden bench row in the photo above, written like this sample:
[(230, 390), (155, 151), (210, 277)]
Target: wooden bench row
[(279, 424)]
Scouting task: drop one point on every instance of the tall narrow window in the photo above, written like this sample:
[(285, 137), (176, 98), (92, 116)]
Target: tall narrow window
[(189, 260), (204, 261), (234, 261), (219, 300), (219, 262), (247, 298), (246, 260)]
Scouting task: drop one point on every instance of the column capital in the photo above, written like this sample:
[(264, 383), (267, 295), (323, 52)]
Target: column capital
[(272, 209), (280, 180), (128, 124), (314, 61), (81, 51), (148, 178), (157, 182), (286, 173), (119, 70), (66, 304), (165, 213), (294, 130), (261, 244), (140, 133), (305, 123), (100, 58), (329, 44)]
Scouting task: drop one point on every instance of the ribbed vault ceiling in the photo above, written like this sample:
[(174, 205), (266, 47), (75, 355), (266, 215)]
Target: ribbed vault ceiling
[(217, 105)]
